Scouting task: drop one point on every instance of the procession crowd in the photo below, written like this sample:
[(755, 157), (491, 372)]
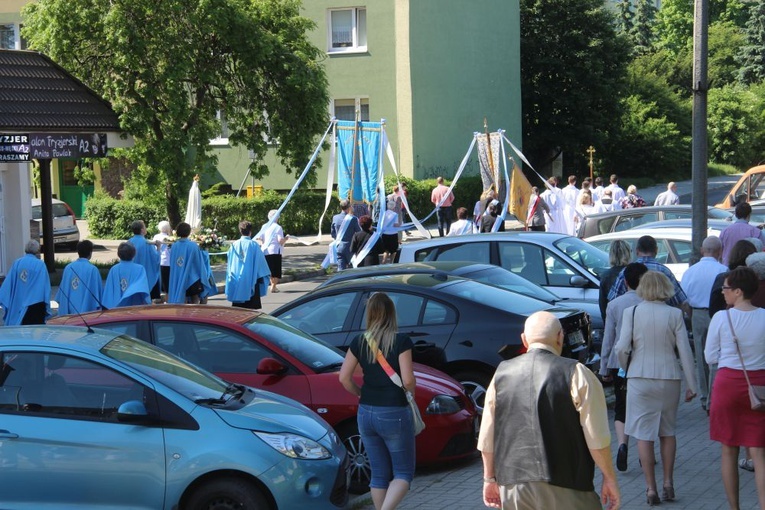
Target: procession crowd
[(168, 268)]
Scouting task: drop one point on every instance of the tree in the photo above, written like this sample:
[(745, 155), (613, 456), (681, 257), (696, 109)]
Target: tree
[(674, 27), (173, 69), (751, 57), (642, 30), (734, 129), (572, 69), (625, 16), (725, 42)]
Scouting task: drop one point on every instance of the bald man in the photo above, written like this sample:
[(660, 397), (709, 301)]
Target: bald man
[(551, 429), (669, 197)]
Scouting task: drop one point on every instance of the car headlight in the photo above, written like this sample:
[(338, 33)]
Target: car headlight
[(292, 445), (443, 404)]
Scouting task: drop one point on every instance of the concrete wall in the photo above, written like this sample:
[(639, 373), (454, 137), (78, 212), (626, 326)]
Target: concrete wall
[(465, 65)]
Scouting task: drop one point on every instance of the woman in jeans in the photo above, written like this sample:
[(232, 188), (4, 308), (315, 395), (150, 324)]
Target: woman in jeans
[(384, 417), (732, 422)]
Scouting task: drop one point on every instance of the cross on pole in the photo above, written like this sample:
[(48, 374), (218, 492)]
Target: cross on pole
[(591, 151)]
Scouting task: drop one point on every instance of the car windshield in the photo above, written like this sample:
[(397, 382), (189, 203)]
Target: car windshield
[(584, 254), (308, 349), (720, 214), (507, 280), (494, 297), (188, 380)]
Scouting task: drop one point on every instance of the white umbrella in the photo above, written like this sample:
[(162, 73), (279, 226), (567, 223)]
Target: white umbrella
[(194, 207)]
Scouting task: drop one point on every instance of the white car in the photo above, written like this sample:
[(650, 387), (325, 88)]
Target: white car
[(65, 231), (675, 246)]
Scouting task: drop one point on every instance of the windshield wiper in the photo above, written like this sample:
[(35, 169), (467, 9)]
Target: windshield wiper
[(330, 367), (235, 390)]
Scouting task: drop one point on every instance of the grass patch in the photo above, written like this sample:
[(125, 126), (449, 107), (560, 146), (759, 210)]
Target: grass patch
[(720, 170), (55, 277)]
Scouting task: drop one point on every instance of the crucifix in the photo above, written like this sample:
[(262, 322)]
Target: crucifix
[(591, 151)]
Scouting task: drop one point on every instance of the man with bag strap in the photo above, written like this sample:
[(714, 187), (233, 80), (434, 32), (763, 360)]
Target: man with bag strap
[(544, 427), (344, 225)]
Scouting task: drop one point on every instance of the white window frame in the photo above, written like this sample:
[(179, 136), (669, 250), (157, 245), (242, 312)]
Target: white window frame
[(221, 139), (355, 47), (357, 102), (16, 35)]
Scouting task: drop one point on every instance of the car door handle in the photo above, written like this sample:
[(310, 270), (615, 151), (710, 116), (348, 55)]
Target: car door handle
[(424, 345), (4, 434), (416, 333)]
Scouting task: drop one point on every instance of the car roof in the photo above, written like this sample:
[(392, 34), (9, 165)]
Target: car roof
[(37, 201), (227, 314), (682, 223), (659, 233), (74, 338), (489, 236), (454, 267), (645, 210)]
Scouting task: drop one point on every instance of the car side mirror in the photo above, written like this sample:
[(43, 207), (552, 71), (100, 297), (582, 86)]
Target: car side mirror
[(132, 411), (270, 366), (578, 281)]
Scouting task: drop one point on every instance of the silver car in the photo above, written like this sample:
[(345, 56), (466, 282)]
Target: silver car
[(65, 231)]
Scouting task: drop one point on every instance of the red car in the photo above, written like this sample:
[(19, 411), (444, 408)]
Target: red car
[(258, 350)]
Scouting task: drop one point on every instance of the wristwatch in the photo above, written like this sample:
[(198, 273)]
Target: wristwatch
[(490, 480)]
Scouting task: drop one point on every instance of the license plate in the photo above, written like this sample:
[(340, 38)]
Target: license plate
[(575, 338)]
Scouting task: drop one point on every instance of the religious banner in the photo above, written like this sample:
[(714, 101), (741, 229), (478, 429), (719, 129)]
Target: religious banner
[(358, 157), (520, 192), (489, 158)]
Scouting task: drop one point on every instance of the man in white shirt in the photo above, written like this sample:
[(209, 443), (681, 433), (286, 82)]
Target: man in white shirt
[(554, 221), (668, 197), (617, 193), (697, 284), (597, 191)]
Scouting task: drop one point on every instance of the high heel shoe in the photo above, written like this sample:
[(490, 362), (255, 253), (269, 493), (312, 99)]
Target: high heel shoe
[(668, 493), (652, 498)]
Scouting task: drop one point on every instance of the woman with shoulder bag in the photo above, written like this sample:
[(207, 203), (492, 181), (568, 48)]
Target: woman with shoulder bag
[(737, 335), (652, 332), (385, 419)]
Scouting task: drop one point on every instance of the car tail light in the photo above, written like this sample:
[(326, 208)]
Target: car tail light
[(71, 212)]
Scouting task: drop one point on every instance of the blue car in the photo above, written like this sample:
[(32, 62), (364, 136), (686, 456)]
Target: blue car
[(101, 420)]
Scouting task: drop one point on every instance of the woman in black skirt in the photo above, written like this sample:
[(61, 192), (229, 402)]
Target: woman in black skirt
[(272, 242)]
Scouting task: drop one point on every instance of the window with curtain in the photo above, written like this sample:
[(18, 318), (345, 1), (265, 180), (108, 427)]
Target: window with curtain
[(7, 37), (345, 109), (348, 29)]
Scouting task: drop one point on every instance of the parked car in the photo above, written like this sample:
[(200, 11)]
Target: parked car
[(256, 349), (686, 223), (94, 419), (562, 264), (460, 326), (675, 246), (65, 232), (749, 188), (626, 219), (490, 275)]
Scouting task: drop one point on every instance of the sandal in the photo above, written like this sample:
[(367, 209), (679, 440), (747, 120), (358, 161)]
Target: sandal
[(652, 498), (668, 493), (746, 464)]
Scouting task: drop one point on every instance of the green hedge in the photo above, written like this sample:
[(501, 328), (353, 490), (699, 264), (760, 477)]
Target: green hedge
[(109, 218)]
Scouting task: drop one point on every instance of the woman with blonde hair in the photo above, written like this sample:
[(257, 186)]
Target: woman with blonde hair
[(647, 354), (619, 255), (584, 207), (384, 418)]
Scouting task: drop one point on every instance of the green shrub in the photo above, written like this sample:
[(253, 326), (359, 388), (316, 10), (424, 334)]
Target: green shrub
[(467, 191)]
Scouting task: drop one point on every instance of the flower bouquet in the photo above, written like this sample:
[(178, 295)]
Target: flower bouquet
[(209, 239)]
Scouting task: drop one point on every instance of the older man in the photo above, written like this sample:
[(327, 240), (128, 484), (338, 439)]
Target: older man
[(668, 197), (25, 294), (697, 285), (544, 428)]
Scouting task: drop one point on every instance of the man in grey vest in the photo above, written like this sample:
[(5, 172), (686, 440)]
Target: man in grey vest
[(544, 428)]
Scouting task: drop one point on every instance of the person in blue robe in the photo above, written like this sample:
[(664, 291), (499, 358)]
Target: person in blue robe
[(147, 255), (247, 273), (81, 288), (126, 284), (25, 293), (187, 269)]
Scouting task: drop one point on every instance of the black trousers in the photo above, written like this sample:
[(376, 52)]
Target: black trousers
[(444, 215)]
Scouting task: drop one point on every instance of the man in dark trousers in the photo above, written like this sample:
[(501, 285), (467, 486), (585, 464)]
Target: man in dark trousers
[(544, 427)]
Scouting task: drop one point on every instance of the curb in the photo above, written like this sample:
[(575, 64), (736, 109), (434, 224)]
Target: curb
[(287, 278)]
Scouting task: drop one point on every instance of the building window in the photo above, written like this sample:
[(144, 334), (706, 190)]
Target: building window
[(347, 30), (8, 37), (345, 109), (222, 138)]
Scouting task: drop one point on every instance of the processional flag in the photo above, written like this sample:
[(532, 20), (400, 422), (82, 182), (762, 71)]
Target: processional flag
[(358, 161), (520, 192)]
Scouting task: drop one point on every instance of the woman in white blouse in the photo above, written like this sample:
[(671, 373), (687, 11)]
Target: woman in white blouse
[(272, 242), (732, 421)]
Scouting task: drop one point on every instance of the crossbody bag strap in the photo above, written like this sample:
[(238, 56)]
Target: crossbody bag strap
[(738, 349), (384, 363)]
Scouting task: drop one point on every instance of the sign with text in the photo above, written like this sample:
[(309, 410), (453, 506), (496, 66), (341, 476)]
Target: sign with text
[(26, 147)]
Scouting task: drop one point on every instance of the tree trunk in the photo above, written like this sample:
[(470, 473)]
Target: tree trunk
[(173, 207)]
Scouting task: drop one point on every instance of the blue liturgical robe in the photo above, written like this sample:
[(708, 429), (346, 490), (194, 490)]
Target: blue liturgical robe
[(247, 267), (26, 284), (186, 267), (81, 288), (126, 286), (147, 255), (208, 282)]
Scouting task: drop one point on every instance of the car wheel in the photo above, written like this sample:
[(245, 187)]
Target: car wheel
[(360, 471), (475, 384), (227, 494)]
